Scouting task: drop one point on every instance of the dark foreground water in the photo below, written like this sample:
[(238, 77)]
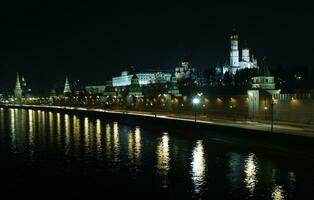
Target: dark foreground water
[(75, 156)]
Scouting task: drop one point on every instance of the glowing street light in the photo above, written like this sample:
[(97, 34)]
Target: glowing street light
[(195, 101)]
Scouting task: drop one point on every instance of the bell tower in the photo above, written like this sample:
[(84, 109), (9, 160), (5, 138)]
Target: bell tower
[(234, 50)]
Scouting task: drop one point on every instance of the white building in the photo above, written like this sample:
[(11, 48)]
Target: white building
[(184, 71), (236, 62), (145, 77)]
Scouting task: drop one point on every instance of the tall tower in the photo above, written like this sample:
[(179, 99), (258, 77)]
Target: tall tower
[(234, 51), (185, 63), (246, 53), (18, 89), (66, 86)]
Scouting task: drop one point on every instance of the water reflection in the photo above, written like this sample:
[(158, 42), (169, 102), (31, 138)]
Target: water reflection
[(250, 169), (76, 131), (13, 127), (51, 126), (43, 123), (163, 159), (98, 139), (292, 179), (278, 193), (108, 141), (134, 150), (277, 189), (31, 139), (198, 167), (58, 129), (113, 146), (235, 171), (138, 146), (67, 133), (78, 143), (86, 132), (116, 143)]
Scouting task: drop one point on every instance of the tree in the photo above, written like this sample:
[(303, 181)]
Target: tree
[(227, 79)]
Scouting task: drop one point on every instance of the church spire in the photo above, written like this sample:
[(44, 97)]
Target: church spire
[(263, 68), (18, 89), (66, 86)]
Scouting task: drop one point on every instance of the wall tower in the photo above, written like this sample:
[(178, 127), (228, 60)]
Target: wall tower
[(18, 89), (66, 86)]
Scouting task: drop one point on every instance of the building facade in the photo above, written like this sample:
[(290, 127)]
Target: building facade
[(184, 70), (145, 77), (261, 95)]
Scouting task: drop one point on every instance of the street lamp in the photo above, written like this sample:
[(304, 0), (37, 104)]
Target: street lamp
[(196, 101)]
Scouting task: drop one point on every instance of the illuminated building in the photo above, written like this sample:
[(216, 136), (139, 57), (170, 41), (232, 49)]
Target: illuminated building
[(135, 88), (173, 89), (263, 90), (235, 62), (67, 89), (145, 77), (18, 90), (184, 71)]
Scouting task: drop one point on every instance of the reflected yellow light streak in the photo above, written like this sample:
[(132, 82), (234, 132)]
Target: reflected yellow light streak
[(67, 130), (51, 127), (59, 129), (31, 127), (98, 135), (130, 145), (86, 131), (198, 167), (76, 131), (108, 141), (116, 142), (43, 121), (278, 193), (250, 171), (13, 129), (163, 159), (138, 143)]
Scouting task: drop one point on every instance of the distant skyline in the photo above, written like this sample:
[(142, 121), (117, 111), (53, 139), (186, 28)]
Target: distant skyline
[(94, 41)]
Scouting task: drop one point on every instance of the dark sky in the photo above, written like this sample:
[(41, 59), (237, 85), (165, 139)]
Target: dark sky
[(93, 41)]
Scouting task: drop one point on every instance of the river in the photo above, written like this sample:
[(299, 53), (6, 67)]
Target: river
[(77, 155)]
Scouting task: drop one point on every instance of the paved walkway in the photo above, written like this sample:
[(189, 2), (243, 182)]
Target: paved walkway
[(279, 127)]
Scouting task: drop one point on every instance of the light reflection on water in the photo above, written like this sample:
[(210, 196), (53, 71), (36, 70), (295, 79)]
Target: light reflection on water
[(163, 159), (198, 167), (250, 169), (113, 147), (98, 139)]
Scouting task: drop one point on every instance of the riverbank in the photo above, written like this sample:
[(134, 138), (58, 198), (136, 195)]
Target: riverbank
[(185, 121)]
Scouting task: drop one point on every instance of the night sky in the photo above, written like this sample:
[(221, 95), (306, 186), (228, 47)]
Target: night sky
[(93, 41)]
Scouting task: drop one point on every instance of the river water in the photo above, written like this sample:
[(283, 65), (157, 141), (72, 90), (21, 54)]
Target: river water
[(54, 153)]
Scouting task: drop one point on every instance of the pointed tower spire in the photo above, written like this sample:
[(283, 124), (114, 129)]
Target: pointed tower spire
[(263, 68), (18, 89), (66, 86)]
